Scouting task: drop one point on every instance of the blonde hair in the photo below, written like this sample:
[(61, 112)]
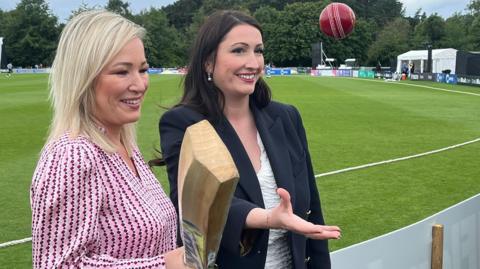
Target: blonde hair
[(87, 44)]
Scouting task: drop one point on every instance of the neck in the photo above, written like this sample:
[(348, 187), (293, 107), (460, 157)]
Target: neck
[(113, 133), (236, 109)]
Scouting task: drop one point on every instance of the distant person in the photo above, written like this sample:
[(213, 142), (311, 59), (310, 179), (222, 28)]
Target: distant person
[(268, 68), (9, 70), (95, 202), (275, 219), (378, 70), (412, 68), (405, 69)]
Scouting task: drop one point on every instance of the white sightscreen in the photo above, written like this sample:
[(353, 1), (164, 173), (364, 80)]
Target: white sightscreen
[(410, 247)]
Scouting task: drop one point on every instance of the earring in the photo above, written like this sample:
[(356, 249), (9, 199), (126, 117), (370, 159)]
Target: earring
[(209, 76)]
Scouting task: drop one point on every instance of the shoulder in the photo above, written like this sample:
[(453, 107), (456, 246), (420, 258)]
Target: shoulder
[(180, 116), (280, 107), (68, 147), (66, 159), (282, 110)]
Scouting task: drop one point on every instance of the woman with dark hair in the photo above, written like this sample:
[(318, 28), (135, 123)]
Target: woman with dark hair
[(275, 219)]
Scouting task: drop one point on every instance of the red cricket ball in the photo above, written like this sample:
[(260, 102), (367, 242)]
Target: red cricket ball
[(337, 20)]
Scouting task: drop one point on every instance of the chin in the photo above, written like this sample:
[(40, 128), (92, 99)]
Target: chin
[(131, 119), (250, 91)]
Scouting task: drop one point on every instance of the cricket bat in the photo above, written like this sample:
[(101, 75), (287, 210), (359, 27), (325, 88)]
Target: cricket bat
[(207, 178)]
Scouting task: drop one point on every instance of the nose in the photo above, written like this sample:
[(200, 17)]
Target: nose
[(254, 61), (139, 82)]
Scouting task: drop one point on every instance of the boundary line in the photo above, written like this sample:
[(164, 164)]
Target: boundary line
[(420, 86), (396, 160), (15, 242)]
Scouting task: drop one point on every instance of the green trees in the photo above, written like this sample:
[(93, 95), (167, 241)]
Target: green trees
[(474, 29), (31, 33), (120, 7), (431, 30), (290, 27), (391, 41), (290, 33), (163, 43)]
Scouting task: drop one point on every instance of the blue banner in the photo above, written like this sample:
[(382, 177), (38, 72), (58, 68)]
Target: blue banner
[(155, 70), (344, 73), (286, 72), (441, 78), (451, 79), (279, 71), (468, 80)]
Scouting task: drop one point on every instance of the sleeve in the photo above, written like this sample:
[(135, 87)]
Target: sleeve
[(66, 196), (317, 250), (171, 136), (172, 129)]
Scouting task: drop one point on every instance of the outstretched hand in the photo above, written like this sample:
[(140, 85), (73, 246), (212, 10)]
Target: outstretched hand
[(282, 217)]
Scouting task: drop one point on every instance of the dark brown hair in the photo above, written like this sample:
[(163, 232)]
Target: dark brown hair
[(202, 95), (199, 93)]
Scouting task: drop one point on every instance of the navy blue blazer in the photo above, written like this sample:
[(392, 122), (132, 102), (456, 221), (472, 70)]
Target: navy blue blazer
[(283, 135)]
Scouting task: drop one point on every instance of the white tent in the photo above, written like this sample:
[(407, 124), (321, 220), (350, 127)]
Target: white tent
[(442, 59)]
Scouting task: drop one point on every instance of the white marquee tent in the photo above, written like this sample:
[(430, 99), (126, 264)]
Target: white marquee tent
[(442, 59)]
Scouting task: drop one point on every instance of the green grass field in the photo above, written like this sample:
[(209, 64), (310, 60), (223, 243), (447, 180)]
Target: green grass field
[(349, 122)]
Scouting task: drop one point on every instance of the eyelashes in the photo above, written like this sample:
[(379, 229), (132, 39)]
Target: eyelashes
[(259, 50), (125, 72), (243, 50)]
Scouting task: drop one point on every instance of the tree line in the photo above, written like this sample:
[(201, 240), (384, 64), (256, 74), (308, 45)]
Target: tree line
[(382, 31)]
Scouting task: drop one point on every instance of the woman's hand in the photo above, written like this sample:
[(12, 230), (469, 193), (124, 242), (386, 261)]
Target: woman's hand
[(282, 217), (175, 259)]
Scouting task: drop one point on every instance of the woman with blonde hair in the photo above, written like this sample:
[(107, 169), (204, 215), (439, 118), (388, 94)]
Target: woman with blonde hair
[(95, 203)]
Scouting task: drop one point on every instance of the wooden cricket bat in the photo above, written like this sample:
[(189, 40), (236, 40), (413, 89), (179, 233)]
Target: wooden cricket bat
[(207, 178)]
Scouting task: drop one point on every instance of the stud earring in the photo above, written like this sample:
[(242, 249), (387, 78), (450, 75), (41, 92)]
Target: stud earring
[(209, 76)]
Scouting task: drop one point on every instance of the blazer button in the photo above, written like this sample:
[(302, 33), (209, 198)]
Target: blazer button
[(309, 212), (307, 259), (259, 252)]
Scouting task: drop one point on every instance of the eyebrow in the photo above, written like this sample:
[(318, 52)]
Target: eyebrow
[(245, 44), (128, 64)]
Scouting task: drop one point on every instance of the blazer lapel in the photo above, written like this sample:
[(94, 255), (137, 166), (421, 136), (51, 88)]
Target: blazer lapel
[(272, 132), (248, 178)]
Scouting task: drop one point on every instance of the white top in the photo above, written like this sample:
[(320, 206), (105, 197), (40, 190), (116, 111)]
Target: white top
[(279, 255)]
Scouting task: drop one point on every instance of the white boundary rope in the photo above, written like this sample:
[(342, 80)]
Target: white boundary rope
[(407, 157), (397, 159), (15, 242), (421, 86)]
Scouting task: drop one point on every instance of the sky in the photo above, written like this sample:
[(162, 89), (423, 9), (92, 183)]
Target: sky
[(62, 8)]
